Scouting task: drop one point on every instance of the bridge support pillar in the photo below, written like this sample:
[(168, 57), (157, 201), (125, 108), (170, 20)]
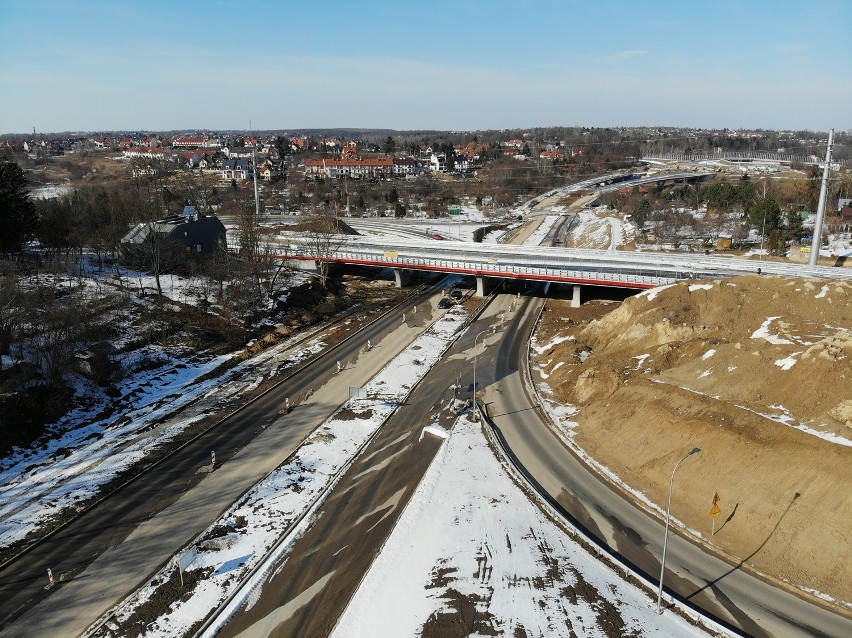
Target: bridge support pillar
[(484, 285), (575, 296), (401, 277)]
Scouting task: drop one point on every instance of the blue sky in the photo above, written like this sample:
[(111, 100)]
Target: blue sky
[(460, 65)]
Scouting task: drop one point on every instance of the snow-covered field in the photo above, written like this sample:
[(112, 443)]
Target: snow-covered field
[(609, 232), (50, 191), (470, 534), (41, 481)]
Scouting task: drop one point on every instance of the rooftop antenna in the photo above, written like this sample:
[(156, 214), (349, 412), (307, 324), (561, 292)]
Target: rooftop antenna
[(816, 242)]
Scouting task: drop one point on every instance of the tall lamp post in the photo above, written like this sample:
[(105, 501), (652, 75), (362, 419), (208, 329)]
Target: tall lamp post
[(694, 450), (482, 332)]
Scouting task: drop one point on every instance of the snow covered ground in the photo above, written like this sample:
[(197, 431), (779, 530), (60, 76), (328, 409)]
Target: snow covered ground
[(471, 538), (50, 191), (290, 491), (609, 232), (469, 533), (39, 482), (541, 232), (468, 528)]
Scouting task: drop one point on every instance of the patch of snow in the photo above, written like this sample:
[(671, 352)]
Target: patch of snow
[(436, 430), (787, 362), (822, 293), (708, 354), (51, 191), (640, 360), (553, 342), (652, 292), (694, 287), (763, 333)]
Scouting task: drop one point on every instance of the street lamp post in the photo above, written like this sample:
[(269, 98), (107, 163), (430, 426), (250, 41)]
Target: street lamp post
[(694, 450), (482, 332)]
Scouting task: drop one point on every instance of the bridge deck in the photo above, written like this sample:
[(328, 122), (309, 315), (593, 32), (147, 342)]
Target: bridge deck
[(599, 267)]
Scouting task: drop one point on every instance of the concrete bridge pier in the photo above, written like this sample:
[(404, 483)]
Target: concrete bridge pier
[(484, 286), (575, 296), (401, 277)]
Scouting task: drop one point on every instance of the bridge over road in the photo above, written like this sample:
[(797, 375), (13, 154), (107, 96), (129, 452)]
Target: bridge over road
[(491, 262)]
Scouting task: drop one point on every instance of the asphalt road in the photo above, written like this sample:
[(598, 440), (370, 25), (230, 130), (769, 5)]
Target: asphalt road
[(725, 591), (110, 550), (309, 590)]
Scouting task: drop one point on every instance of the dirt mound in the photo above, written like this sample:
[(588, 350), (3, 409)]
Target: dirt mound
[(757, 372)]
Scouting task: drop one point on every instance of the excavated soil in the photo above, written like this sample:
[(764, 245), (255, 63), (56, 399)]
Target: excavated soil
[(757, 372)]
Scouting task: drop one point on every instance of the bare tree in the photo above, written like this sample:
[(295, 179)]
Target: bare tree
[(151, 179), (323, 240), (58, 330), (11, 313)]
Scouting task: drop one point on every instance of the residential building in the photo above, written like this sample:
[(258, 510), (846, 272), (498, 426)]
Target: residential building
[(237, 169), (188, 142), (356, 167), (148, 152), (173, 241)]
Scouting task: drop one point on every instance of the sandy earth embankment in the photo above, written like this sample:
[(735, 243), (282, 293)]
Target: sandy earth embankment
[(757, 372)]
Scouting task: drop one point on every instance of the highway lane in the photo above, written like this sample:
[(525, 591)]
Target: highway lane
[(308, 591), (730, 594), (110, 549)]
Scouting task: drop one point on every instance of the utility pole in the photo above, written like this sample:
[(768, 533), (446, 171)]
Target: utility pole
[(816, 242), (254, 176)]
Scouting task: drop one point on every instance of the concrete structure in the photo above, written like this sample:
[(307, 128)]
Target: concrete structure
[(488, 262)]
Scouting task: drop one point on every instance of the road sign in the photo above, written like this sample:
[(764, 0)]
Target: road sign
[(715, 511), (357, 393), (186, 560)]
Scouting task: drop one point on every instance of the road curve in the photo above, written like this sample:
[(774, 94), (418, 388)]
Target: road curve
[(725, 592)]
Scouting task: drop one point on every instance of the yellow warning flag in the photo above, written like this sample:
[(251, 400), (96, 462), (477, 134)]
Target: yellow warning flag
[(715, 511)]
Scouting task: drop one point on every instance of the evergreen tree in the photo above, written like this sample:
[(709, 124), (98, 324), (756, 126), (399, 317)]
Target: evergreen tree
[(641, 212), (794, 230), (765, 216), (18, 220)]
